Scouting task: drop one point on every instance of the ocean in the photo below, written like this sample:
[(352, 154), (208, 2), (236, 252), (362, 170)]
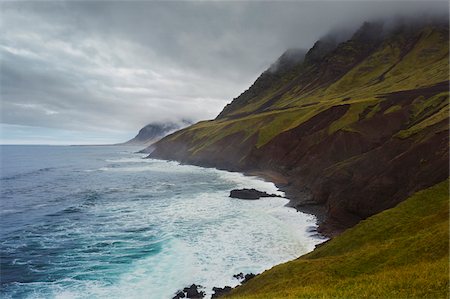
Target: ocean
[(103, 222)]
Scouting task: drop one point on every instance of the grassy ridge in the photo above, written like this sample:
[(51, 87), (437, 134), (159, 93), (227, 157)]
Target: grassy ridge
[(401, 62), (363, 128), (393, 66), (360, 136), (399, 253)]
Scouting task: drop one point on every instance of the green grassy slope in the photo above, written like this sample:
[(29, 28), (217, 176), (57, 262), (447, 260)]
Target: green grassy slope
[(401, 62), (402, 252), (358, 126), (404, 60)]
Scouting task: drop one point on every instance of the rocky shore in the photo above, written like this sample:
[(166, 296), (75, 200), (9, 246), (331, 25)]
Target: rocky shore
[(352, 146), (347, 133), (251, 194), (296, 200), (299, 198), (195, 291)]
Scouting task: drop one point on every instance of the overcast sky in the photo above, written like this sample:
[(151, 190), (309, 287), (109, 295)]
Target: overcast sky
[(96, 72)]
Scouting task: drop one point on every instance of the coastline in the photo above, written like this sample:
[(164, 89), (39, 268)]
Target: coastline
[(248, 237), (298, 199)]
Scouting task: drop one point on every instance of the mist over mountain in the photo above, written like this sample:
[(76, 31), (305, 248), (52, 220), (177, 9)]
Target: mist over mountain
[(321, 172), (72, 65), (322, 120), (153, 132), (355, 131)]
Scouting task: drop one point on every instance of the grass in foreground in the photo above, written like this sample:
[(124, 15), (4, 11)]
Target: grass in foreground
[(402, 252)]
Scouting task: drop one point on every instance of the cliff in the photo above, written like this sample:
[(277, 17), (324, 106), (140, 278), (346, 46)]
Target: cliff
[(355, 127)]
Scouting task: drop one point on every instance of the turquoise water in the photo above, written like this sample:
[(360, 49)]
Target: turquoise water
[(102, 222)]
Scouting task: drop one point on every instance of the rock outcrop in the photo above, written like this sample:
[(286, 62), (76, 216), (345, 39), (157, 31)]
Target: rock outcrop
[(219, 292), (250, 194), (192, 291)]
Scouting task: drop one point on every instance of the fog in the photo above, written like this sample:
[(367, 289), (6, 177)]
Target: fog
[(90, 69)]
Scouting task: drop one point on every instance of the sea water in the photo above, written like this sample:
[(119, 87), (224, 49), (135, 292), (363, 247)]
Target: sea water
[(103, 222)]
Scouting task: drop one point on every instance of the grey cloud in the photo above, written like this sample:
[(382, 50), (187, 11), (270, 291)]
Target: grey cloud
[(119, 65)]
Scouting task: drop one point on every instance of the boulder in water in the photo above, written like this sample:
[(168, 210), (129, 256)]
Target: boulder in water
[(250, 194)]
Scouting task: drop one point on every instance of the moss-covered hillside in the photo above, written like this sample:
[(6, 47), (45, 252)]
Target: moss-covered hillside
[(399, 253), (355, 126)]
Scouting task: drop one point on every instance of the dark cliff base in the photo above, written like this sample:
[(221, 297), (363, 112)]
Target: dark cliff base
[(298, 198), (351, 131), (349, 174)]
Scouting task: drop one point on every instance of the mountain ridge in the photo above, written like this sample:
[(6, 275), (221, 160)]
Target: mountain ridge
[(355, 127), (153, 132)]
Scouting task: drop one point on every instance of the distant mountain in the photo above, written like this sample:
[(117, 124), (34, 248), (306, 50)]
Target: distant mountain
[(153, 132)]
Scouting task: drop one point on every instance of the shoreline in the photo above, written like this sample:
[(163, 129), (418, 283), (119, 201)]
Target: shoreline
[(297, 198), (294, 201)]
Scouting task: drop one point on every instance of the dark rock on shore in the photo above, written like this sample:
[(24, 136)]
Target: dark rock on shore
[(190, 292), (219, 292), (250, 194), (179, 295), (247, 277), (239, 276), (244, 278)]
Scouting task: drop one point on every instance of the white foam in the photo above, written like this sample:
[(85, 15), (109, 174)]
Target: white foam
[(225, 237), (243, 181), (147, 165), (217, 238), (207, 237), (140, 159), (212, 237)]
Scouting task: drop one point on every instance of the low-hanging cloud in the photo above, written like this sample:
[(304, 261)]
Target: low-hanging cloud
[(116, 66)]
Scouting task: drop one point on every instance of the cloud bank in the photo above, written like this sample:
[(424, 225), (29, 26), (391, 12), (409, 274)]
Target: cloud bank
[(109, 68)]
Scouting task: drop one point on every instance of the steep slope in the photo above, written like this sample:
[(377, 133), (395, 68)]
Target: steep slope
[(399, 253), (280, 71), (355, 127)]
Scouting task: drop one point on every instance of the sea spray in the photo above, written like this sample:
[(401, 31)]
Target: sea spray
[(104, 223)]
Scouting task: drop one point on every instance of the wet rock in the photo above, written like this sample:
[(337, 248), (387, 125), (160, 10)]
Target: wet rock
[(219, 292), (190, 292), (311, 229), (250, 194), (193, 292), (244, 278), (247, 277), (239, 276), (179, 295)]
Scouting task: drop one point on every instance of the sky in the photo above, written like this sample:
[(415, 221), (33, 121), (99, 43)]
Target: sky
[(95, 72)]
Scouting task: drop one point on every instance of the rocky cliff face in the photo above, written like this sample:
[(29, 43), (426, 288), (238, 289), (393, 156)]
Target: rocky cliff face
[(355, 126)]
